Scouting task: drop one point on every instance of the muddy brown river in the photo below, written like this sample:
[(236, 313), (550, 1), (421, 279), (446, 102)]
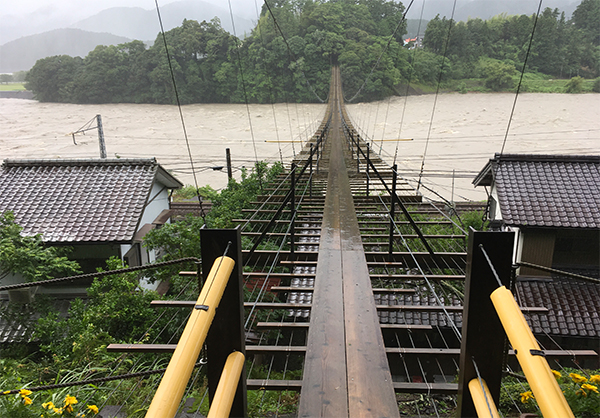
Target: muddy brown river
[(457, 139)]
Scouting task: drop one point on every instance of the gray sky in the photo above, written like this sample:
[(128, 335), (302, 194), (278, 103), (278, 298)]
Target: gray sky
[(21, 7)]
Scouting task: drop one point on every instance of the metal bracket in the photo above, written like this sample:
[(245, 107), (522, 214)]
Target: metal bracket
[(537, 352), (203, 307)]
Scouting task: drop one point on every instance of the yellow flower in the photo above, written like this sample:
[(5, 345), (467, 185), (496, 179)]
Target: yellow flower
[(526, 396), (581, 392), (93, 408), (556, 374), (27, 400), (25, 392), (595, 378), (58, 411), (589, 387), (48, 405), (577, 378), (6, 392)]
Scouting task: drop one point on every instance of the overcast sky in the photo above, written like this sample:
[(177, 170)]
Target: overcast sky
[(20, 7)]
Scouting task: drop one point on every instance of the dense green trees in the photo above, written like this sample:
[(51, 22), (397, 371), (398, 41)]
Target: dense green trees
[(210, 65), (560, 48)]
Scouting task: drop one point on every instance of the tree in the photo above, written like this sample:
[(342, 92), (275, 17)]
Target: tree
[(51, 78), (498, 74), (28, 256), (586, 18), (6, 78)]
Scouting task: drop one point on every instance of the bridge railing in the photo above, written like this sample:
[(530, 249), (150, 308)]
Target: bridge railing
[(355, 145), (314, 156)]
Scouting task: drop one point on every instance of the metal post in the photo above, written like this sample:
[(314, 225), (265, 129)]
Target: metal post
[(293, 214), (226, 334), (392, 212), (357, 157), (310, 181), (368, 161), (228, 156), (483, 337), (101, 137)]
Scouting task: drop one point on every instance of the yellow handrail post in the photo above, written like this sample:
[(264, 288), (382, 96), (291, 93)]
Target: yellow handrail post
[(172, 386), (223, 399), (227, 332), (482, 398), (544, 386)]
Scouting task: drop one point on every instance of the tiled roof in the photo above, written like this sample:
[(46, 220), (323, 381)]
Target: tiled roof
[(573, 306), (546, 190), (79, 200)]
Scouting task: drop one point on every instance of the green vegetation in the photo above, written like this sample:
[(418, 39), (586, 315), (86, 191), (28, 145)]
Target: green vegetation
[(209, 64), (27, 256), (580, 388), (12, 87)]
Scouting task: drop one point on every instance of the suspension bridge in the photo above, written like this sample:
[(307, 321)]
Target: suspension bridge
[(352, 296), (355, 291)]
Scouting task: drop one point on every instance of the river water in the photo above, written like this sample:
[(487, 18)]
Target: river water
[(456, 133)]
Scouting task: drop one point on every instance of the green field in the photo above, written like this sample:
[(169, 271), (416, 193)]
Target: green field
[(12, 87)]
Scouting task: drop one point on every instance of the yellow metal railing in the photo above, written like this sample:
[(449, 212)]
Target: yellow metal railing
[(172, 386), (482, 399), (223, 399), (544, 386)]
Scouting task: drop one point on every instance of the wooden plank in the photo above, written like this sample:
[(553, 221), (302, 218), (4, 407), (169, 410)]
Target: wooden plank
[(441, 388), (310, 289), (343, 296), (304, 325), (258, 349), (264, 384)]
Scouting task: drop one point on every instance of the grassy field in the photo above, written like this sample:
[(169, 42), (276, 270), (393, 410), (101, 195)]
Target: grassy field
[(531, 84), (12, 87)]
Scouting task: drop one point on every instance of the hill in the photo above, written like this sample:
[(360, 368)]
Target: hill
[(21, 54), (142, 24)]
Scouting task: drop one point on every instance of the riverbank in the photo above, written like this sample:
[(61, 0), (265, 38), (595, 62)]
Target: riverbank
[(464, 132)]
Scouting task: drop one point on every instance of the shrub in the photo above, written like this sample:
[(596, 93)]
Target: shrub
[(575, 85)]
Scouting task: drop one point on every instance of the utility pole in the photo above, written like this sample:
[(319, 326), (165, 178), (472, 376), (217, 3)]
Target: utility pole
[(101, 137)]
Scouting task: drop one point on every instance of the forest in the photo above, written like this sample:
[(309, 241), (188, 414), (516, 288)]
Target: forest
[(210, 65)]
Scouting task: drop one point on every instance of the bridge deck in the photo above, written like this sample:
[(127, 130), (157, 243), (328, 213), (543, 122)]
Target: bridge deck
[(346, 372)]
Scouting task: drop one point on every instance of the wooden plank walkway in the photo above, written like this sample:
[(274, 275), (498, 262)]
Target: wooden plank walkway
[(346, 372)]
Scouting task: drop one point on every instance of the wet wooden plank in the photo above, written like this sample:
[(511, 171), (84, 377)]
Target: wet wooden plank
[(346, 373)]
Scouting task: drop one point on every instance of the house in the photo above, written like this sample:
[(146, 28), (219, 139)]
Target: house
[(552, 202), (99, 207)]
